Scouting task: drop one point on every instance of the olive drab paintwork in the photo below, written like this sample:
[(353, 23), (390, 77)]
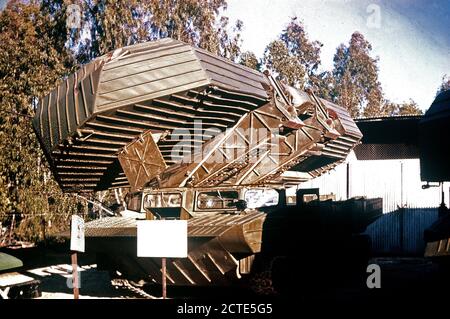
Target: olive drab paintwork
[(162, 89), (121, 121)]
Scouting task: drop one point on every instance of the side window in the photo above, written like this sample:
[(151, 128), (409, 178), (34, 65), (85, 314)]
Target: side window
[(217, 200), (134, 203), (161, 200), (309, 198), (256, 198)]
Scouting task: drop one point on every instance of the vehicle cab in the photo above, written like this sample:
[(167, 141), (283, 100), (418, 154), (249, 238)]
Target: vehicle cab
[(185, 203)]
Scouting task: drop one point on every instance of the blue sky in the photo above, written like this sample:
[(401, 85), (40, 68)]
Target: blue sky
[(2, 4), (411, 37)]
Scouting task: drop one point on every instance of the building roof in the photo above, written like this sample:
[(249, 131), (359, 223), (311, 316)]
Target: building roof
[(394, 137)]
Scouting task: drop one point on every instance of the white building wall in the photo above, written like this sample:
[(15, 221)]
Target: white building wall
[(396, 181)]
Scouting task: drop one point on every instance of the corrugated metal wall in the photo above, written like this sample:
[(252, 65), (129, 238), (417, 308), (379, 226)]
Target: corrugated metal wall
[(401, 232), (396, 181)]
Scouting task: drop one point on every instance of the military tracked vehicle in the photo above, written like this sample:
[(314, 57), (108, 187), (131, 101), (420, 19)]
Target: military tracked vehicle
[(194, 136)]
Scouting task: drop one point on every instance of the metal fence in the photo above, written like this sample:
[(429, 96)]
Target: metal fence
[(406, 206), (401, 232), (396, 181)]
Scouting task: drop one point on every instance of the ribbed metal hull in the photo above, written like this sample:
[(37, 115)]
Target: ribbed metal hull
[(223, 246), (216, 244), (183, 97)]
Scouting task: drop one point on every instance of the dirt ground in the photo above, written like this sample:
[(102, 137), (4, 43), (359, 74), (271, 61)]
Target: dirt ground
[(56, 280), (402, 278)]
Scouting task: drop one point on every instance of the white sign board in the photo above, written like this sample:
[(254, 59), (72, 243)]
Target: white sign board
[(162, 238), (77, 234)]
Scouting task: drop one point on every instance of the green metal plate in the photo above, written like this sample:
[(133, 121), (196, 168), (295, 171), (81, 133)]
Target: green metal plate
[(9, 262)]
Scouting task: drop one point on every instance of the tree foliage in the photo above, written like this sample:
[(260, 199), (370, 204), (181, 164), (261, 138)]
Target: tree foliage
[(110, 24), (32, 58), (37, 48), (445, 84), (396, 109), (286, 67), (250, 60), (353, 82), (294, 58), (355, 74)]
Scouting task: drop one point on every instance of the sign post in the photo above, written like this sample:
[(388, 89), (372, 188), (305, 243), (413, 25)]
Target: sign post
[(164, 239), (76, 245), (75, 285), (163, 279)]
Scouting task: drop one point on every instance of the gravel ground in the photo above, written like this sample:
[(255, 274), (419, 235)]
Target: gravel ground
[(56, 279), (401, 278)]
